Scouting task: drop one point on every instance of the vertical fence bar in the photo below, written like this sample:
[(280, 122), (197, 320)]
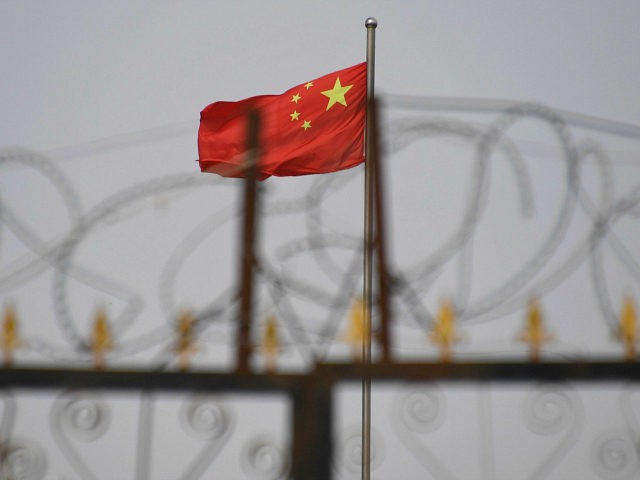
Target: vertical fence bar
[(247, 263)]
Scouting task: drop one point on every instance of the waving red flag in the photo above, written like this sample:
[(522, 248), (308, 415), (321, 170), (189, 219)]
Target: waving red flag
[(315, 127)]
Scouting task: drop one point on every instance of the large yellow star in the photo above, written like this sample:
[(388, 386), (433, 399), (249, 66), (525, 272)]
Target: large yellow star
[(336, 94)]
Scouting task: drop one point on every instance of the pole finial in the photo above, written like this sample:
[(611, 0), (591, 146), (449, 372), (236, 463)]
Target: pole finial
[(371, 22)]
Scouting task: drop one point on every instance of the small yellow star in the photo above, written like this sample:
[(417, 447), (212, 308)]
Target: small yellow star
[(295, 98), (308, 85), (306, 125), (336, 94), (294, 115)]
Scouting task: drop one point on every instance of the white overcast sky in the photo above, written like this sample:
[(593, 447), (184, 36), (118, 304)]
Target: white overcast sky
[(76, 71)]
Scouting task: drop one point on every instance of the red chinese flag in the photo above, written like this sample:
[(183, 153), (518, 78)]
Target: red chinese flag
[(315, 127)]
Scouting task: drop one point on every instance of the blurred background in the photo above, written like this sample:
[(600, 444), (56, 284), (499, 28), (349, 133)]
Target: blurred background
[(510, 138)]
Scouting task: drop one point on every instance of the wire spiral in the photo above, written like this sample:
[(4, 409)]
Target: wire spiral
[(422, 411), (23, 460), (548, 411), (349, 451), (263, 459), (205, 418), (616, 456), (84, 418)]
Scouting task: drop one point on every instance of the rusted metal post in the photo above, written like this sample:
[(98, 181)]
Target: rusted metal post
[(384, 333), (312, 425), (244, 346)]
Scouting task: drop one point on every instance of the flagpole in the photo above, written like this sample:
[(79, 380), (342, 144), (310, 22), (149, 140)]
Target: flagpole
[(369, 150)]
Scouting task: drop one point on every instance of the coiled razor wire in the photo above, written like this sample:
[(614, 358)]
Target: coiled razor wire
[(410, 285)]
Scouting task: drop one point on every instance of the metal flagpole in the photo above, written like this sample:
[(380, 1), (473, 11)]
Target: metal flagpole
[(369, 150)]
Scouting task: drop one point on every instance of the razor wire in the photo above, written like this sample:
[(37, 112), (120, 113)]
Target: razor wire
[(410, 286)]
